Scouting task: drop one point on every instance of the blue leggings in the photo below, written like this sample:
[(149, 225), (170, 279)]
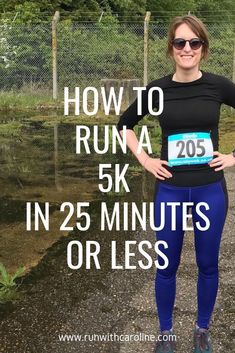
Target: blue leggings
[(207, 245)]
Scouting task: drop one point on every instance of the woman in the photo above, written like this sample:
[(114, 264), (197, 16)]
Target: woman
[(190, 169)]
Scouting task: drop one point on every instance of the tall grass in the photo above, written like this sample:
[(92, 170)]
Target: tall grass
[(12, 100)]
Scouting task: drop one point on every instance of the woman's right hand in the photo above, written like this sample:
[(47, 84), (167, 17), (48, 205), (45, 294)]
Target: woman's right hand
[(156, 167)]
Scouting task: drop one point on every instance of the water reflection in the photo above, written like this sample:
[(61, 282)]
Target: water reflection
[(39, 164)]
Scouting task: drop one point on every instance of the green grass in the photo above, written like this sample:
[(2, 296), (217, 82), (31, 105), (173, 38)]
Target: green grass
[(227, 131), (81, 119), (11, 129), (25, 101)]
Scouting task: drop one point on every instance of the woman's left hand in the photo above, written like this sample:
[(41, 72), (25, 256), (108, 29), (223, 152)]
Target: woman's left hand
[(222, 161)]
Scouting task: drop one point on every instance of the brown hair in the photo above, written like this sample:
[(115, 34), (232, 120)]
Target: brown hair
[(196, 25)]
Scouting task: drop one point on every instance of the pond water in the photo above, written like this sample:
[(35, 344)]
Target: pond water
[(39, 164)]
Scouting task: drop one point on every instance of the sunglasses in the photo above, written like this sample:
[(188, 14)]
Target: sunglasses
[(195, 43)]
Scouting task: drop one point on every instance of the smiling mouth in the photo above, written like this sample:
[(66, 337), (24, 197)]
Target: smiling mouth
[(186, 58)]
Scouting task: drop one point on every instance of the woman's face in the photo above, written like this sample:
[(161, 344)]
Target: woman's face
[(186, 58)]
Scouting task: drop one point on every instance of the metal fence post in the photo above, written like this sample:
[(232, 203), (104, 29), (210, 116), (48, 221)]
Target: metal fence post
[(54, 53), (146, 39)]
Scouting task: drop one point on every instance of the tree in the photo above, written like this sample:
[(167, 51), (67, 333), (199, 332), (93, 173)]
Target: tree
[(215, 10), (164, 10)]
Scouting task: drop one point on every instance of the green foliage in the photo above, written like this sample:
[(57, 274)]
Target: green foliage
[(8, 286), (6, 280), (25, 54), (124, 10), (28, 12), (88, 54), (221, 53), (25, 100), (164, 10), (215, 11), (11, 129), (88, 10), (128, 10), (81, 10), (220, 59), (104, 49)]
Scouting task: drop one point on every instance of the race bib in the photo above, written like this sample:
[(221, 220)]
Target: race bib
[(189, 148)]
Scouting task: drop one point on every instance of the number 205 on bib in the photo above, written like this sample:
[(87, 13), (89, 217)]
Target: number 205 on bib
[(190, 148)]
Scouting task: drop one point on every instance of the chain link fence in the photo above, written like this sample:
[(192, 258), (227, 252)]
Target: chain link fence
[(89, 52), (25, 57)]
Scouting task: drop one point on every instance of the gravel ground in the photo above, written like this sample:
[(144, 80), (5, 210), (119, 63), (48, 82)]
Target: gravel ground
[(61, 301)]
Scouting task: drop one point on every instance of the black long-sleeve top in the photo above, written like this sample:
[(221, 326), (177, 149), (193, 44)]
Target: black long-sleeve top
[(188, 107)]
